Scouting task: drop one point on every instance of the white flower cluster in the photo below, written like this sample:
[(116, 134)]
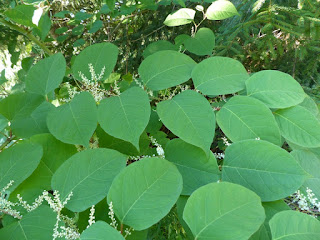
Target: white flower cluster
[(159, 149), (225, 141), (113, 223), (308, 204), (6, 206), (219, 155), (150, 93), (91, 216)]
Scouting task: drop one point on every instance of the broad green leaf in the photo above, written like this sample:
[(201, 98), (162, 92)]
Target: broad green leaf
[(18, 162), (219, 75), (158, 46), (195, 167), (19, 105), (4, 122), (101, 231), (95, 62), (74, 122), (33, 124), (299, 126), (221, 210), (181, 17), (54, 154), (82, 16), (270, 208), (166, 69), (264, 168), (144, 192), (154, 124), (125, 116), (38, 224), (22, 14), (46, 75), (190, 117), (221, 9), (88, 175), (244, 118), (44, 26), (3, 77), (293, 225), (78, 30), (310, 162), (202, 43), (274, 88)]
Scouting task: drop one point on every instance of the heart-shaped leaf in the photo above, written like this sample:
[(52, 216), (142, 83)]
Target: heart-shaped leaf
[(74, 122), (157, 46), (125, 116), (166, 69), (190, 117), (88, 175), (144, 192), (215, 206), (244, 118), (202, 43), (46, 75), (95, 62), (219, 75), (181, 17), (274, 88), (264, 168)]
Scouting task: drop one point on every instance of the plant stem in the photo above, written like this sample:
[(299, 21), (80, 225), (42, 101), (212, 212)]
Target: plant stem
[(121, 228), (8, 140), (27, 34)]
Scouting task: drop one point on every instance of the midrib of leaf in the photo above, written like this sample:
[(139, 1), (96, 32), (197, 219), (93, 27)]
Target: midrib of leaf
[(226, 213), (166, 70), (124, 216), (296, 125), (296, 234), (223, 78), (76, 123)]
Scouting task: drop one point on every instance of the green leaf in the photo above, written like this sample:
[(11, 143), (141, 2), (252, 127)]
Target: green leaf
[(38, 224), (299, 126), (4, 122), (274, 88), (220, 10), (44, 26), (101, 231), (181, 17), (19, 105), (310, 162), (22, 14), (219, 75), (293, 225), (244, 118), (166, 69), (79, 42), (35, 123), (158, 46), (78, 30), (217, 206), (309, 104), (125, 116), (195, 167), (181, 203), (46, 75), (3, 77), (270, 208), (264, 168), (18, 162), (202, 43), (190, 117), (74, 122), (96, 26), (61, 30), (54, 154), (102, 57), (88, 175), (145, 191), (82, 16)]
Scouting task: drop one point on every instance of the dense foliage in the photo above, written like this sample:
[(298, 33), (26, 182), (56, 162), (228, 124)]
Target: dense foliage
[(121, 126)]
